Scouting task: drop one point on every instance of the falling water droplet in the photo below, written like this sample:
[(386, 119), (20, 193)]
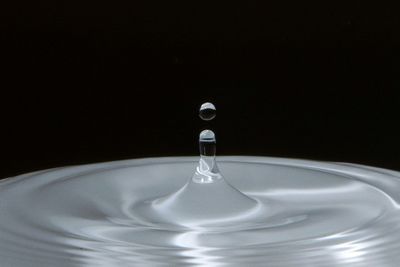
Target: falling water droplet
[(206, 200), (287, 212), (207, 111)]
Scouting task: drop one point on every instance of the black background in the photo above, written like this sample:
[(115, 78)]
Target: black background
[(96, 81)]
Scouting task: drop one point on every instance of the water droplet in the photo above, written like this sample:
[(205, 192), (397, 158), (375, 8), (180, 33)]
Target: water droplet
[(207, 111), (207, 143), (207, 170)]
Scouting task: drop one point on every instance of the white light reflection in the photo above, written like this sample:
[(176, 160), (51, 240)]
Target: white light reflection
[(197, 254)]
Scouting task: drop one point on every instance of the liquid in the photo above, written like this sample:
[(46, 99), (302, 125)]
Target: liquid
[(206, 202), (159, 212), (306, 214), (207, 111)]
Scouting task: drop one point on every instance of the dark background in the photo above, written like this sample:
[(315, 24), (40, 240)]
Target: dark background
[(97, 81)]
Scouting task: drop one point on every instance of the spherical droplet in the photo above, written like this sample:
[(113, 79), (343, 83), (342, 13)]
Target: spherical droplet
[(207, 111)]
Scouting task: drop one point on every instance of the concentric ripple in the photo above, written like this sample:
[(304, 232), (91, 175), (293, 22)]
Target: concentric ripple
[(307, 214)]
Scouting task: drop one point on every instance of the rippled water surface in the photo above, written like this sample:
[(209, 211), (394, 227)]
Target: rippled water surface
[(301, 213)]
